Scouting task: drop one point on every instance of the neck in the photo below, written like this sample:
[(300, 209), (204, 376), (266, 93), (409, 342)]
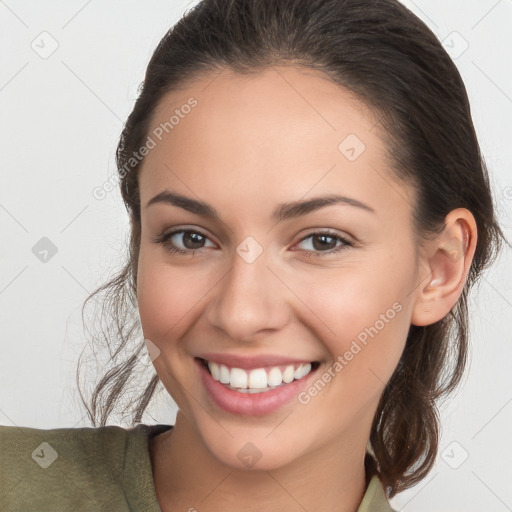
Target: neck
[(188, 477)]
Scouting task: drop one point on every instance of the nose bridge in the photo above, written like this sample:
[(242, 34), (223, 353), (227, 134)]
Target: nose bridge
[(249, 298)]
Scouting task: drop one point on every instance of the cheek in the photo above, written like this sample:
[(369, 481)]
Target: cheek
[(167, 297), (362, 316), (368, 335)]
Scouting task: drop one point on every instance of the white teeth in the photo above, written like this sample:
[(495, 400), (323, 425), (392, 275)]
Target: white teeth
[(305, 369), (238, 378), (288, 374), (257, 380), (275, 377), (214, 369), (224, 374)]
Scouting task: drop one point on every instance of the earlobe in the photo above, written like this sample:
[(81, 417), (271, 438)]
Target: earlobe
[(447, 259)]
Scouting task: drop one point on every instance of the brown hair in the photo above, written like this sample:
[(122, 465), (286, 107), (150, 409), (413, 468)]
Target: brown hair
[(391, 60)]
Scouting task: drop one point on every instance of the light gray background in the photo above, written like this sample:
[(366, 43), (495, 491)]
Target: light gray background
[(61, 119)]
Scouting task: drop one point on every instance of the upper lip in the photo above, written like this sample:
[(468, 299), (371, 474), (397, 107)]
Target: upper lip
[(250, 362)]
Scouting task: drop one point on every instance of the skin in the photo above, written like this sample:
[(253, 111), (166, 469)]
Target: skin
[(251, 143)]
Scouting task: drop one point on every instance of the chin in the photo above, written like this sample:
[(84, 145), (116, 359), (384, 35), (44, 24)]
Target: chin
[(250, 450)]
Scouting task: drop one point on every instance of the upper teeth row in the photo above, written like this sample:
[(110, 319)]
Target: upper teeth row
[(258, 377)]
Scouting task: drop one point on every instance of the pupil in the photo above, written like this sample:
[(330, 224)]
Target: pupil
[(323, 244), (193, 238)]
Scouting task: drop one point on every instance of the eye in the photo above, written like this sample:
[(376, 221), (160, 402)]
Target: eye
[(193, 241), (323, 243)]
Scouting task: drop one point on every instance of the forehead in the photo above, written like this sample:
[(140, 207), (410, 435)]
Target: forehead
[(274, 135)]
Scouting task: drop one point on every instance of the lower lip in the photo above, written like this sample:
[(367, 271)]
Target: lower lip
[(251, 404)]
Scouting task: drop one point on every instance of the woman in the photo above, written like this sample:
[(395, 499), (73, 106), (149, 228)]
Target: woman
[(309, 210)]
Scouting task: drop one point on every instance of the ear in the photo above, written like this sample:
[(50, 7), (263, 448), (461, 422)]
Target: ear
[(445, 263)]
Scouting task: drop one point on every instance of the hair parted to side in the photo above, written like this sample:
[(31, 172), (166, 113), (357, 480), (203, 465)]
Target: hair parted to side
[(392, 62)]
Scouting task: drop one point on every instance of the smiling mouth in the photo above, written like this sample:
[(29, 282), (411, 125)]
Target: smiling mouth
[(258, 380)]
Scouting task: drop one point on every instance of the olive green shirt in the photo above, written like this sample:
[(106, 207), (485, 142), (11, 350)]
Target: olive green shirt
[(102, 469)]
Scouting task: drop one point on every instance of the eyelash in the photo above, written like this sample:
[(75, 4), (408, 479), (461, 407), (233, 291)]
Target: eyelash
[(164, 238)]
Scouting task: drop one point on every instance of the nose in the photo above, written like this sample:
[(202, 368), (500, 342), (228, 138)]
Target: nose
[(250, 300)]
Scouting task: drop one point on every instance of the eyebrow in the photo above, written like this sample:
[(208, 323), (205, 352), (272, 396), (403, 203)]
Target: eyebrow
[(282, 212)]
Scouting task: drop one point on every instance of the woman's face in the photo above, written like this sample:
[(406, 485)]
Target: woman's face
[(333, 284)]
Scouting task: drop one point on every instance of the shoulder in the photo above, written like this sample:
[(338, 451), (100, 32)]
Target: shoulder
[(89, 468), (375, 499)]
